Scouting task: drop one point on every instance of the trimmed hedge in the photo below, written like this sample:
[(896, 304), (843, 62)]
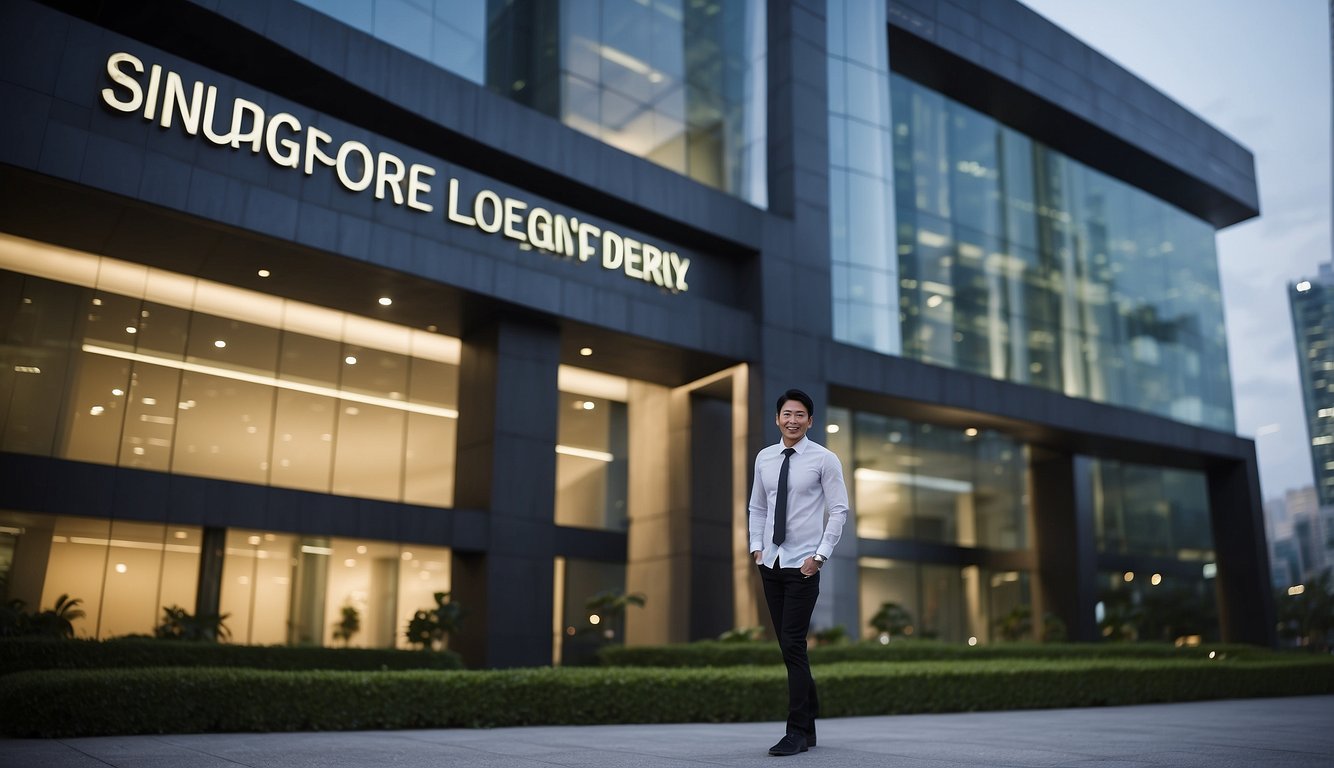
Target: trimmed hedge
[(70, 703), (21, 654), (713, 653)]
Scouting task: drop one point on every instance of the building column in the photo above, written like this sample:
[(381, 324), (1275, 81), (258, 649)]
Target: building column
[(212, 553), (506, 467), (795, 270), (656, 565), (1246, 611), (1062, 503)]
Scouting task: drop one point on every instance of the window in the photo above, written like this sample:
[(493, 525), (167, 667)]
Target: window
[(592, 450), (123, 573), (172, 374)]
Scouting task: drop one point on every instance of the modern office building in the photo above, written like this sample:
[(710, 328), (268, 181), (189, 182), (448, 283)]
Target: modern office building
[(1301, 537), (315, 305), (1312, 304)]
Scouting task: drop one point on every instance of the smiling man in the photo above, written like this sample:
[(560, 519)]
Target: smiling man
[(796, 483)]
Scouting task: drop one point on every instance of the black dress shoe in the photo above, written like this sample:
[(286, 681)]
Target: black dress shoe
[(790, 745)]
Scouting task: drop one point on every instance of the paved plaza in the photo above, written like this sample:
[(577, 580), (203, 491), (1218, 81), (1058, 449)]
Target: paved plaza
[(1275, 733)]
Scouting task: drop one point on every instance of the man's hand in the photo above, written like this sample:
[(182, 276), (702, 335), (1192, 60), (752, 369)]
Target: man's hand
[(757, 554), (810, 567)]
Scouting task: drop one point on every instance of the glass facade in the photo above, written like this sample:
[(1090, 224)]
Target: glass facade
[(1151, 511), (580, 631), (592, 463), (864, 270), (1018, 263), (1156, 607), (1154, 522), (122, 572), (115, 363), (282, 588), (946, 602), (277, 588), (1312, 304), (681, 84), (921, 482), (916, 482)]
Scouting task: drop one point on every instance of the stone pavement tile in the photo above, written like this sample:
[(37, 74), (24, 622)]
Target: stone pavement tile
[(42, 753), (1276, 733)]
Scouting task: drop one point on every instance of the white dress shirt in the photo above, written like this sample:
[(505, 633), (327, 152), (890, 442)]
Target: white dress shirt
[(814, 486)]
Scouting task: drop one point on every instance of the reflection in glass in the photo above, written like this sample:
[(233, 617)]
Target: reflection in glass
[(1018, 263), (581, 631), (861, 210), (920, 481), (968, 604), (1166, 607), (681, 84), (1154, 511)]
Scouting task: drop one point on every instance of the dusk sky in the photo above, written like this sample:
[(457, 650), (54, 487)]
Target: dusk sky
[(1260, 72)]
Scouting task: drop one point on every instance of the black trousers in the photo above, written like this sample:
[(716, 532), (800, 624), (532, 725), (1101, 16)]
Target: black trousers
[(791, 597)]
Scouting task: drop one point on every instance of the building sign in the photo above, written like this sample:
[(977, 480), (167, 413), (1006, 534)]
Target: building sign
[(166, 99)]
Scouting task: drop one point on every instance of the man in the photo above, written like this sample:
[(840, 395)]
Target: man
[(796, 481)]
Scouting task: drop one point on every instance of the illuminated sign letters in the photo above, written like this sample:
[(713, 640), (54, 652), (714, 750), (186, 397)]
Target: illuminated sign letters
[(167, 99)]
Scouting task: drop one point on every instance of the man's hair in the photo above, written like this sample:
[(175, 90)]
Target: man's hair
[(799, 396)]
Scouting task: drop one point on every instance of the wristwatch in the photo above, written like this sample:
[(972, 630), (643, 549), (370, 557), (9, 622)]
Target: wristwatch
[(819, 559)]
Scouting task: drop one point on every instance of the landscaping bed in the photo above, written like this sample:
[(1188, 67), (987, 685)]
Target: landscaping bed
[(100, 702)]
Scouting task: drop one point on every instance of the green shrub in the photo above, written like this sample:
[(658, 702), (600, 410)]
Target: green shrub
[(70, 703), (705, 653), (20, 654), (713, 653)]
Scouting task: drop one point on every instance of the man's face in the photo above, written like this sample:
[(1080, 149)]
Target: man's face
[(793, 421)]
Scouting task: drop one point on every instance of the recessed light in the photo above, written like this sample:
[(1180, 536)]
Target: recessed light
[(350, 360), (971, 432), (131, 329), (385, 301), (831, 428), (27, 369), (264, 273), (586, 351), (220, 344)]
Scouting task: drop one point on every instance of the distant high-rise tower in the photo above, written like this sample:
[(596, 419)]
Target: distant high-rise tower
[(1312, 304)]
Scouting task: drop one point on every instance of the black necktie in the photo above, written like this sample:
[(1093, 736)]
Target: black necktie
[(780, 504)]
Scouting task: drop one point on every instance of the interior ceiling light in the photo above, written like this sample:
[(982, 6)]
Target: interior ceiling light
[(295, 386), (586, 351), (264, 273), (385, 301)]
